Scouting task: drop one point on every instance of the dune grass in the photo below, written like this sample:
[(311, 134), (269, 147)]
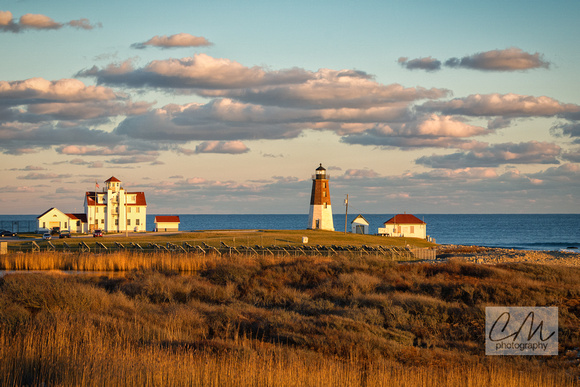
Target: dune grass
[(281, 321)]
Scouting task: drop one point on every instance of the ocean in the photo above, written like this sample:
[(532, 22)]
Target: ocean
[(519, 231)]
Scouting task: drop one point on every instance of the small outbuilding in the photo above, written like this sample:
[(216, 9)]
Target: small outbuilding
[(167, 223), (359, 225), (404, 225)]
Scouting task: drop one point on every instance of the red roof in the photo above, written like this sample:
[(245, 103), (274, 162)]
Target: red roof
[(113, 179), (91, 199), (139, 199), (81, 217), (167, 219), (404, 219)]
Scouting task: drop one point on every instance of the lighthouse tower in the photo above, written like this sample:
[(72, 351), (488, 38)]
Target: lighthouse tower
[(320, 215)]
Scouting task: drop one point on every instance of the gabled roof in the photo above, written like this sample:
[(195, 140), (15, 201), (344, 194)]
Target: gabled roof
[(46, 212), (360, 217), (404, 219), (113, 179), (167, 219), (52, 209)]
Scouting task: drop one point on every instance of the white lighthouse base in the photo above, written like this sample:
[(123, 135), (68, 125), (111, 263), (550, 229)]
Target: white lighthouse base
[(320, 217)]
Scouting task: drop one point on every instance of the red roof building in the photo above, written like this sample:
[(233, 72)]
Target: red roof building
[(115, 210), (404, 225), (404, 219), (167, 223)]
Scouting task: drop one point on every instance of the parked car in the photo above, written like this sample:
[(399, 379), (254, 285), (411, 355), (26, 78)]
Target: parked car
[(46, 236), (64, 234), (97, 233), (55, 231), (7, 233)]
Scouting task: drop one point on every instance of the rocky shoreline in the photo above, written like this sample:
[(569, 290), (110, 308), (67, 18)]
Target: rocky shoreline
[(492, 255)]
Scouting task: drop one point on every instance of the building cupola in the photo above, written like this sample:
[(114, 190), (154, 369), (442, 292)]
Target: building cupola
[(113, 184)]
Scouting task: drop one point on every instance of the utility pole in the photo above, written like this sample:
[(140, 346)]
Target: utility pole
[(346, 213)]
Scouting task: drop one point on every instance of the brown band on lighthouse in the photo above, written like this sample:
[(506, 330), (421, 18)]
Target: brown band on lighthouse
[(320, 192)]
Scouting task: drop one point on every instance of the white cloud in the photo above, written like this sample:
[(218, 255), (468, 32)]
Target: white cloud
[(427, 64), (31, 21), (510, 59), (37, 21), (177, 40), (506, 105), (532, 152), (230, 147), (42, 90)]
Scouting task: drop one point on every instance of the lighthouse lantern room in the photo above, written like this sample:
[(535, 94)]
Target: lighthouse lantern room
[(320, 215)]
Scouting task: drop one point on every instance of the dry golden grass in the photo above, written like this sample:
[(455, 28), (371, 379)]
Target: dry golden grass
[(88, 357), (115, 261), (280, 322)]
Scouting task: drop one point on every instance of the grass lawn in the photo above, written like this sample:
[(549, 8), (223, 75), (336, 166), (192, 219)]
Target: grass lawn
[(246, 237)]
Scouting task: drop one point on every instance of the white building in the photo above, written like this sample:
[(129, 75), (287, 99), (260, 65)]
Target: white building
[(359, 225), (53, 218), (167, 223), (114, 209), (75, 223), (404, 225)]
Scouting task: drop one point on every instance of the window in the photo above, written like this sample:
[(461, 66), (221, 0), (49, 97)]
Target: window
[(323, 184), (129, 209), (102, 221), (78, 223), (412, 229), (138, 209), (137, 222), (116, 222), (65, 226), (324, 194), (43, 224), (128, 222)]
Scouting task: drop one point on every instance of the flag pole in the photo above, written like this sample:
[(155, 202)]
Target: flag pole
[(346, 212), (95, 210)]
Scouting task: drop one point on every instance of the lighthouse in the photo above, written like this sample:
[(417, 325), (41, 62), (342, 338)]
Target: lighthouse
[(320, 215)]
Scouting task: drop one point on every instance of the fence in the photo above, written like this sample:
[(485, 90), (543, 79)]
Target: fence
[(223, 249), (19, 226)]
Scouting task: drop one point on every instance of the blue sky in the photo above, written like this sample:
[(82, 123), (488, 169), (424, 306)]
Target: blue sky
[(228, 107)]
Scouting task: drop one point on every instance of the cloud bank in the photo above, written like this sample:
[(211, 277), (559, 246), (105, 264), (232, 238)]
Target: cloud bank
[(510, 59), (38, 22), (256, 103)]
